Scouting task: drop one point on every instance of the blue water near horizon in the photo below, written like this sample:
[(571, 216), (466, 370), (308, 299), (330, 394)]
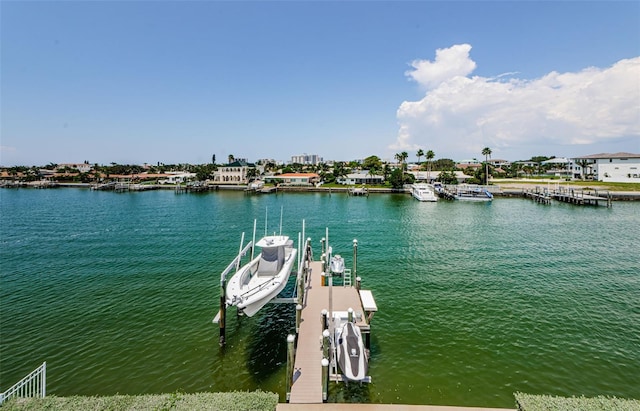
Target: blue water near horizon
[(117, 293)]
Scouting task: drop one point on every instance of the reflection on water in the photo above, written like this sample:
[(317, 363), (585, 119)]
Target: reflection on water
[(476, 301)]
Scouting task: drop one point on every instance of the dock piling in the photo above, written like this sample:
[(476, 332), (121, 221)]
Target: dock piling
[(326, 343), (358, 283), (298, 317), (355, 255), (325, 378), (290, 363), (325, 323)]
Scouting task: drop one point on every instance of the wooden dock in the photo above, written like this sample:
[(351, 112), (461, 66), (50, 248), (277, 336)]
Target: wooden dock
[(306, 385), (539, 195), (580, 197)]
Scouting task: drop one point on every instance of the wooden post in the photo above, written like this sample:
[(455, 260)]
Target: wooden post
[(350, 314), (325, 324), (301, 289), (290, 363), (358, 283), (325, 378), (298, 317), (355, 256), (223, 310), (326, 343), (323, 279)]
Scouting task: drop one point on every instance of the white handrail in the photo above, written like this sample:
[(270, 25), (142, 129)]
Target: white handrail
[(33, 385)]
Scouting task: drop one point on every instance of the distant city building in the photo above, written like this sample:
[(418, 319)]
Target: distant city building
[(306, 159), (614, 167), (233, 173)]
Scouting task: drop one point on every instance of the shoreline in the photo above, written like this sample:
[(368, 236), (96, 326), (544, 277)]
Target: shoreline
[(506, 189)]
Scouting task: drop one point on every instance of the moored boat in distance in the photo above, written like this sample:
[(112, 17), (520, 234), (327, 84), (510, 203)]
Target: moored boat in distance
[(262, 279), (472, 193), (423, 192)]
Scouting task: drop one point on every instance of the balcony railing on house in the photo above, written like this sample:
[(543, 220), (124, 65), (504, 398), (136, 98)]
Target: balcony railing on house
[(33, 385)]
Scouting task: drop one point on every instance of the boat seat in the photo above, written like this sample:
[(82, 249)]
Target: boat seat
[(270, 262)]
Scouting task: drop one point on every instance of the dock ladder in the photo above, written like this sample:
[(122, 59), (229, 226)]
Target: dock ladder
[(347, 277)]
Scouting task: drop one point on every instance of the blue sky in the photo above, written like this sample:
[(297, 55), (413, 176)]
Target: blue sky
[(175, 81)]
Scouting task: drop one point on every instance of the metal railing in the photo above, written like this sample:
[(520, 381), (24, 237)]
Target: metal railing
[(33, 385)]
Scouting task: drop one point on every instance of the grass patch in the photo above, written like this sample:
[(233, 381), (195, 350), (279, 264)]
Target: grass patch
[(528, 402), (594, 185), (223, 401)]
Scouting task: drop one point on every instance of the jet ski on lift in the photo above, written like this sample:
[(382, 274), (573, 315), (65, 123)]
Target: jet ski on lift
[(350, 352), (336, 265)]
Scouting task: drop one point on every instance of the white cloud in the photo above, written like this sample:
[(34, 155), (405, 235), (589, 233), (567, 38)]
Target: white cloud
[(450, 63), (460, 114)]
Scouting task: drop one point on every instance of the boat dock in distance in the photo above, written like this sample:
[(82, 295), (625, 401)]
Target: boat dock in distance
[(544, 195)]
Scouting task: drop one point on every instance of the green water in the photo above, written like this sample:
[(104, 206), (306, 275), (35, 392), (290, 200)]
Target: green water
[(117, 293)]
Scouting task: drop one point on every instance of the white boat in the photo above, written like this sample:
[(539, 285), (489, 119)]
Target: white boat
[(423, 192), (472, 193), (336, 265), (350, 352), (260, 280)]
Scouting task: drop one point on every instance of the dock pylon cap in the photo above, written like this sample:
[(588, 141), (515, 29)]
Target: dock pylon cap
[(291, 338)]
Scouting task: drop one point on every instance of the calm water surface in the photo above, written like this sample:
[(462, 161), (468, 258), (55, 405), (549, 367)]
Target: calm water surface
[(117, 293)]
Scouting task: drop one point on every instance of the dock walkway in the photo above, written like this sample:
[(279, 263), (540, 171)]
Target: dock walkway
[(307, 374)]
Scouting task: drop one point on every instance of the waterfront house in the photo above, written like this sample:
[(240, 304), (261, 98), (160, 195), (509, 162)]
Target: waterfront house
[(614, 167), (433, 175), (233, 173), (176, 177), (360, 177), (562, 167), (295, 179)]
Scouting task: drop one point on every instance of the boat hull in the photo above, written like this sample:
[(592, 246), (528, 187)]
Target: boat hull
[(250, 289), (423, 192)]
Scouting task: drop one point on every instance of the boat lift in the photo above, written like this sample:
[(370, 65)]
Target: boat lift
[(298, 295)]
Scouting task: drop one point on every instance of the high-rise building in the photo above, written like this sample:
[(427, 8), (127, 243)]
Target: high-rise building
[(306, 159)]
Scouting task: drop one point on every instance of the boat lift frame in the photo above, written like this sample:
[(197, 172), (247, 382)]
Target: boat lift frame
[(298, 295)]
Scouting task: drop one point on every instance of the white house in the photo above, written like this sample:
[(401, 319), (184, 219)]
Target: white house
[(233, 173), (177, 177), (433, 175), (564, 167), (295, 179), (361, 177), (614, 167)]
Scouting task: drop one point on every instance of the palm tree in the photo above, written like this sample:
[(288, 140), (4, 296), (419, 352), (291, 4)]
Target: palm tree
[(583, 163), (401, 157), (429, 157), (419, 154), (486, 152)]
